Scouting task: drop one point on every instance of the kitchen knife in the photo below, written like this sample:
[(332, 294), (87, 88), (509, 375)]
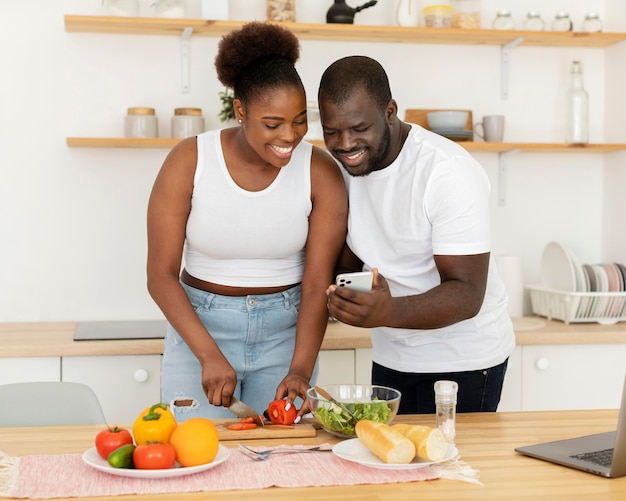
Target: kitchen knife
[(241, 410)]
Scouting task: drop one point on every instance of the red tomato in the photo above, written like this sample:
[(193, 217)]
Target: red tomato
[(154, 456), (278, 414), (110, 439)]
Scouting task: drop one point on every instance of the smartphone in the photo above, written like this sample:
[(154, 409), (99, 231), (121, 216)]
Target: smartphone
[(359, 281)]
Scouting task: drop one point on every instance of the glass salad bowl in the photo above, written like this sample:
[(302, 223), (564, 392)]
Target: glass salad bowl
[(349, 403)]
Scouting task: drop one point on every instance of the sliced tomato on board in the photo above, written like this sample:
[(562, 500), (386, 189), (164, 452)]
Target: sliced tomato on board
[(241, 426)]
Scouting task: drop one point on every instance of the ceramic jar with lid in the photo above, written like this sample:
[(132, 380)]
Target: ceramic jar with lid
[(140, 122), (533, 21), (503, 21), (562, 22), (592, 23), (187, 122)]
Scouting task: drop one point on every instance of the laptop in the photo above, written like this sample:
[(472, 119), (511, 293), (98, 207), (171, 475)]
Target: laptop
[(602, 454)]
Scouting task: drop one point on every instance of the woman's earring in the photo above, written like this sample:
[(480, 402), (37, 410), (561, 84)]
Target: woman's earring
[(240, 120)]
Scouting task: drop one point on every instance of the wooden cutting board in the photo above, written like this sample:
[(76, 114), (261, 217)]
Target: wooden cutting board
[(267, 431)]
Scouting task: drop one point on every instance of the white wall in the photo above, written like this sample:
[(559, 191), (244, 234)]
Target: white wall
[(72, 220)]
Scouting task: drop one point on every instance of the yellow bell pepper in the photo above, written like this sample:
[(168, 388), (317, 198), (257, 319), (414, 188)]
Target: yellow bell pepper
[(154, 424)]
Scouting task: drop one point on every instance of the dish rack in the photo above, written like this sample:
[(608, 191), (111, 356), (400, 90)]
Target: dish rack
[(605, 308)]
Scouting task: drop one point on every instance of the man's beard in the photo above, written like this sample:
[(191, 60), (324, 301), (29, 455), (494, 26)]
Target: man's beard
[(376, 160)]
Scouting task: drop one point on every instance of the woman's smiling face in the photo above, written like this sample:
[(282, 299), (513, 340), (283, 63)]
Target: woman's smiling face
[(275, 124)]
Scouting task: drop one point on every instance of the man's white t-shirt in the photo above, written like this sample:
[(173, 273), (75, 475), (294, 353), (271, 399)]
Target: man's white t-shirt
[(432, 200)]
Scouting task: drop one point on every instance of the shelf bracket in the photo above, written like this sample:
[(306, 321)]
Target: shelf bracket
[(185, 59), (504, 65), (502, 157)]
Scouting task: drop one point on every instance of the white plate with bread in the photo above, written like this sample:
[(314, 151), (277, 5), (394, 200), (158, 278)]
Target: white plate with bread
[(356, 451)]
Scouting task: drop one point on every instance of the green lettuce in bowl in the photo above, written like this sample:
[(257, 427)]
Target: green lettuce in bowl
[(376, 403)]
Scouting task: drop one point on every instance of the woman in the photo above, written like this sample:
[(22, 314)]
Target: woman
[(258, 217)]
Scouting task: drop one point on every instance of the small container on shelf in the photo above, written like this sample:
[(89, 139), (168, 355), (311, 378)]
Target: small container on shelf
[(562, 22), (170, 8), (438, 16), (140, 122), (281, 10), (466, 14), (534, 22), (123, 8), (592, 23), (187, 122), (503, 21)]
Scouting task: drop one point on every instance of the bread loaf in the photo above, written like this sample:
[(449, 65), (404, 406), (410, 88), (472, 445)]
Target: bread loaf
[(388, 444), (430, 443)]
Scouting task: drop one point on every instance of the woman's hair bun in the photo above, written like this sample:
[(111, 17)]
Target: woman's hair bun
[(253, 41)]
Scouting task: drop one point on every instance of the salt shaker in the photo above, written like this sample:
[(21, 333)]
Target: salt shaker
[(445, 404)]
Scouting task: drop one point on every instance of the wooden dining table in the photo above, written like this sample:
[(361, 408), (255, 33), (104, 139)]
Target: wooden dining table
[(486, 442)]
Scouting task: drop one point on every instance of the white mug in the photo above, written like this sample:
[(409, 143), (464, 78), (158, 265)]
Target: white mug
[(493, 128)]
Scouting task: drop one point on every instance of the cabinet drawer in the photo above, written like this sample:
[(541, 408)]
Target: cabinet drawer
[(125, 385), (573, 377), (29, 369)]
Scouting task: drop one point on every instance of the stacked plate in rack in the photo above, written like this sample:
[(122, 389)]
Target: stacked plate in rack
[(562, 271)]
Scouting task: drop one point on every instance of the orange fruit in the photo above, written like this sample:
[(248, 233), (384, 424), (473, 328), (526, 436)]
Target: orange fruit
[(195, 441)]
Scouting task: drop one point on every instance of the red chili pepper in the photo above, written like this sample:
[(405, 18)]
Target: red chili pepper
[(278, 414)]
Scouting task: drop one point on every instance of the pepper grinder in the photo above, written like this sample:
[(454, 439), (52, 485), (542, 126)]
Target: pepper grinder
[(445, 403)]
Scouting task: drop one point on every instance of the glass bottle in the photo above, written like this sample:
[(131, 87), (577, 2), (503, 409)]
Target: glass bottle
[(592, 23), (445, 404), (562, 22), (577, 111), (533, 21), (503, 21)]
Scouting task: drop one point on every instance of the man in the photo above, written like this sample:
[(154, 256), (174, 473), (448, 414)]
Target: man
[(419, 218)]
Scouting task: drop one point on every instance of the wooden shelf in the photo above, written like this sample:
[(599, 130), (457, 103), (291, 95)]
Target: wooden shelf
[(343, 32), (121, 142), (471, 146)]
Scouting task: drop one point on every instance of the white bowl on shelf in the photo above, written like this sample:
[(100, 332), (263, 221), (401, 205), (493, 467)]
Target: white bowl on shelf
[(447, 120)]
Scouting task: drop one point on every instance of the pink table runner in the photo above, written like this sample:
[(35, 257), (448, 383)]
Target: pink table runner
[(66, 475)]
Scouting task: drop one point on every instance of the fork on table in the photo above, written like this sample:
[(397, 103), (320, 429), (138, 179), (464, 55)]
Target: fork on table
[(263, 455)]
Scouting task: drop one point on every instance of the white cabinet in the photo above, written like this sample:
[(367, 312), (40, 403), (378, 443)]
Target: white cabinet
[(352, 366), (573, 376), (363, 366), (336, 367), (29, 369), (125, 385), (564, 377), (511, 398)]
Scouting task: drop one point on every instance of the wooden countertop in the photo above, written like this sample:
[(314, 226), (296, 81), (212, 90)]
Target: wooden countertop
[(55, 339), (485, 441)]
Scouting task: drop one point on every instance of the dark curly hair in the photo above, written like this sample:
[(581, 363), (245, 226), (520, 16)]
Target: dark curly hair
[(257, 57)]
